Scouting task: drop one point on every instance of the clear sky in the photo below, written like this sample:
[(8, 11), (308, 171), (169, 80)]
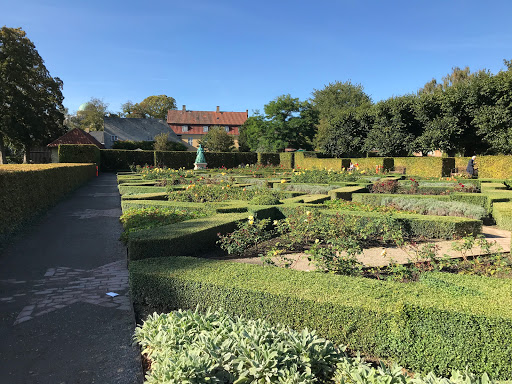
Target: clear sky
[(242, 54)]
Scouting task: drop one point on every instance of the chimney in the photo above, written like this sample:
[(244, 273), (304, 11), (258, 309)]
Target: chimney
[(218, 110), (247, 113), (184, 109)]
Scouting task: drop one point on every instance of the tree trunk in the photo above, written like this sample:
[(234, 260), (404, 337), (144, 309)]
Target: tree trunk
[(3, 158), (26, 154)]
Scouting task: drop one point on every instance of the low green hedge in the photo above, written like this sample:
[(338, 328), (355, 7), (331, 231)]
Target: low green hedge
[(345, 193), (272, 159), (26, 190), (186, 238), (147, 196), (441, 323), (86, 153), (502, 213), (120, 159), (138, 189), (429, 227)]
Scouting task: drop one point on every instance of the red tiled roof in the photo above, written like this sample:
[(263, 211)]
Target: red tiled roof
[(76, 136), (205, 117)]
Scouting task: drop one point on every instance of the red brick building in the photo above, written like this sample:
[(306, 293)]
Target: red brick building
[(191, 126)]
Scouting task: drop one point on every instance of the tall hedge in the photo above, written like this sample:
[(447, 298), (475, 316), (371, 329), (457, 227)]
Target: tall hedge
[(230, 159), (426, 166), (287, 160), (175, 160), (494, 167), (121, 159), (371, 163), (443, 322), (273, 159), (26, 190), (72, 153)]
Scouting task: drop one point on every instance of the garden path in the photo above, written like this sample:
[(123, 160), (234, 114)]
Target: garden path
[(374, 257), (57, 325)]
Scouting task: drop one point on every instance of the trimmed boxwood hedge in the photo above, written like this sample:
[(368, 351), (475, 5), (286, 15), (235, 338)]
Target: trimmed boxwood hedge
[(371, 163), (502, 213), (287, 160), (494, 167), (273, 159), (27, 189), (441, 323), (426, 166), (86, 153), (430, 227), (120, 159)]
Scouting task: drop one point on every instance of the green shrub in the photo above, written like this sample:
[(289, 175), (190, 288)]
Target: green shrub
[(265, 199), (84, 153), (421, 326), (345, 193), (286, 160), (214, 347), (272, 159), (26, 190), (119, 159)]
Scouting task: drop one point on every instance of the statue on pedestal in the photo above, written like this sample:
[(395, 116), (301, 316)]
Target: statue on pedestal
[(200, 162)]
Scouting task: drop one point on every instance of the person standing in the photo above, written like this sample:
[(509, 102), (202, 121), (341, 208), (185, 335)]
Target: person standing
[(471, 166)]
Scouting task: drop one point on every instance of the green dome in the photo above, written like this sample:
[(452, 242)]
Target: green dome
[(82, 107)]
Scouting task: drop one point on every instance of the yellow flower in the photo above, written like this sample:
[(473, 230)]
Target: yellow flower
[(251, 218), (308, 213), (275, 222), (363, 171), (283, 181), (383, 253), (251, 222), (223, 174), (317, 241)]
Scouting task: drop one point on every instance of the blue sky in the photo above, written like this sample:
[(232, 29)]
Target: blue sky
[(242, 54)]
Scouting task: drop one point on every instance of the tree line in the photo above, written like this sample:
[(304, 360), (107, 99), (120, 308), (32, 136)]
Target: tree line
[(465, 113)]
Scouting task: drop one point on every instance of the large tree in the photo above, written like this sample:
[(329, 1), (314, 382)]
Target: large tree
[(217, 140), (92, 116), (341, 106), (155, 107), (395, 126), (31, 110)]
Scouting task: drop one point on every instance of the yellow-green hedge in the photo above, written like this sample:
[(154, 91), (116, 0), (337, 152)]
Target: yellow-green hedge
[(28, 189), (371, 163), (426, 166), (494, 167)]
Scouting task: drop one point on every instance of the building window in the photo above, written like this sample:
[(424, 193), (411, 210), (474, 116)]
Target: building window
[(205, 128), (184, 128), (113, 138), (227, 128), (190, 141)]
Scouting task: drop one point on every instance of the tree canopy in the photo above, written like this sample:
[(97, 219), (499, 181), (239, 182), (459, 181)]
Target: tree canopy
[(217, 140), (288, 122), (155, 107), (31, 110)]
